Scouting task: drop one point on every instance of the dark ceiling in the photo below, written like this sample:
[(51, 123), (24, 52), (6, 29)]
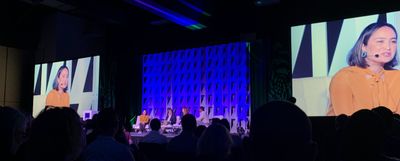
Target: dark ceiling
[(223, 15), (228, 18)]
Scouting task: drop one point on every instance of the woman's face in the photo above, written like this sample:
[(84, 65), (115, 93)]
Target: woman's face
[(63, 79), (169, 112), (184, 111), (144, 112), (381, 47)]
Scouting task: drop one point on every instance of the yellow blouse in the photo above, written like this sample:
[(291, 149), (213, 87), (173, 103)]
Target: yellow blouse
[(144, 119), (354, 88), (54, 98)]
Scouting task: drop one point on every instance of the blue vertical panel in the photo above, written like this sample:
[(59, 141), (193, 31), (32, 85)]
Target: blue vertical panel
[(216, 77)]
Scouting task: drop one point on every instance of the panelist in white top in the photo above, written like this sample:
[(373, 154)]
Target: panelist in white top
[(203, 118)]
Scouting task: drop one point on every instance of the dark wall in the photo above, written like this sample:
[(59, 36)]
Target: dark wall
[(15, 78), (20, 24), (33, 34), (19, 32), (67, 37)]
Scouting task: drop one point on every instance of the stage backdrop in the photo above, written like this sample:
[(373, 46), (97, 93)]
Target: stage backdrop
[(319, 50), (215, 77)]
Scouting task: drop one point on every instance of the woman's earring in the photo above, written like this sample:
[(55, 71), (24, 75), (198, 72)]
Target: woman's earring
[(364, 54)]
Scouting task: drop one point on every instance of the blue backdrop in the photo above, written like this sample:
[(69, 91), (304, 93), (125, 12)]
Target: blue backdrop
[(215, 77)]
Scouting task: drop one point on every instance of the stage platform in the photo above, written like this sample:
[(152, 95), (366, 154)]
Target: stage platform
[(138, 136)]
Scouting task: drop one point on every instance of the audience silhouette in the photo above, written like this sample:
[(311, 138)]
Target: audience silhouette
[(199, 130), (105, 147), (56, 135), (363, 137), (281, 131), (214, 144), (12, 135), (154, 135), (183, 146)]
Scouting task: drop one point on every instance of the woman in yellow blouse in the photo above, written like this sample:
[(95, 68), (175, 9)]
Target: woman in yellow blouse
[(370, 80), (58, 96), (143, 120)]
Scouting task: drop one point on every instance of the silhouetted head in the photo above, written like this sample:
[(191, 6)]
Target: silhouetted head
[(292, 100), (280, 130), (363, 136), (199, 130), (215, 120), (189, 123), (341, 121), (225, 123), (107, 122), (56, 135), (215, 143), (396, 116), (12, 127), (155, 124), (386, 115)]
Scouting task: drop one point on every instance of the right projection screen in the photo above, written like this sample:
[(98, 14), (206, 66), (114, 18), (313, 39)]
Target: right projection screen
[(319, 50)]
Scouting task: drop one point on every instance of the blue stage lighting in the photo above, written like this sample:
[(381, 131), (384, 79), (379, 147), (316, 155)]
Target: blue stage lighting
[(215, 77)]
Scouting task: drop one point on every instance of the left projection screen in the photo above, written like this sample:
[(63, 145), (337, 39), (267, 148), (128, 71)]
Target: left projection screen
[(74, 83)]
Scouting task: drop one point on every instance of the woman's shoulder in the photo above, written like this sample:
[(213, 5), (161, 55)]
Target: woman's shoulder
[(351, 69), (52, 92), (348, 70), (393, 71), (392, 74), (66, 94), (347, 73)]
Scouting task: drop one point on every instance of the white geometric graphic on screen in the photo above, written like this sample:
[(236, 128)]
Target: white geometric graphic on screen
[(297, 33)]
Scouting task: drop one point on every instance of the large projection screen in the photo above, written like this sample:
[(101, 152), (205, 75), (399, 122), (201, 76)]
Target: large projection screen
[(83, 83), (319, 50)]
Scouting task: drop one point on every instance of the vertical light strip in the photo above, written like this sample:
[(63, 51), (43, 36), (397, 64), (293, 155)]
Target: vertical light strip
[(96, 74), (297, 33), (68, 63), (319, 49), (43, 87), (36, 76)]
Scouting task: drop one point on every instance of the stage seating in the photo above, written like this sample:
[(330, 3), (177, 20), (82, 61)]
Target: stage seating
[(312, 95), (136, 126)]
